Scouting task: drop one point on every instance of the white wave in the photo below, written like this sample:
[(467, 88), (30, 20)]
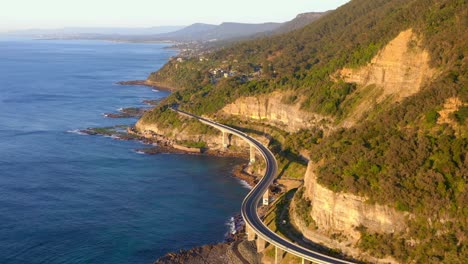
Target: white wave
[(139, 152), (144, 142), (76, 131), (231, 223), (245, 184)]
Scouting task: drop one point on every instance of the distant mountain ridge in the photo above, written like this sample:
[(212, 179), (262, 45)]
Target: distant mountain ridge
[(299, 21), (227, 30), (198, 32), (237, 31), (188, 32), (89, 31)]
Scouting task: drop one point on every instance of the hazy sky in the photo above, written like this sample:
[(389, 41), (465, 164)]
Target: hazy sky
[(25, 14)]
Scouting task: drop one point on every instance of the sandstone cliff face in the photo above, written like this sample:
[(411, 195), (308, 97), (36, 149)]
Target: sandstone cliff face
[(270, 109), (337, 215), (450, 106), (399, 70), (342, 212)]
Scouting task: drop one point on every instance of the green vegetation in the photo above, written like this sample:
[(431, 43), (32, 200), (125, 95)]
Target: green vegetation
[(163, 117), (170, 120), (106, 131), (290, 169), (432, 116), (382, 245), (303, 208), (283, 144), (276, 214), (193, 144), (461, 115)]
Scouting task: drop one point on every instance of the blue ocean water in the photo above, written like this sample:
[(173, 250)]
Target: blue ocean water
[(70, 198)]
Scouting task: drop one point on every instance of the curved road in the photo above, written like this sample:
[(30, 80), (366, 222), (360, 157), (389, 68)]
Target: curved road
[(253, 198)]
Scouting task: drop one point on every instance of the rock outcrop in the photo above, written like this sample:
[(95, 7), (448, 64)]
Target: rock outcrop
[(451, 105), (238, 252), (213, 141), (338, 216), (399, 70), (343, 212)]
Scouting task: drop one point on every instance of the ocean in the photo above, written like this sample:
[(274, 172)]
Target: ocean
[(72, 198)]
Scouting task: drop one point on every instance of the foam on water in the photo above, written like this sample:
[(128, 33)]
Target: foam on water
[(231, 223), (245, 184), (77, 131)]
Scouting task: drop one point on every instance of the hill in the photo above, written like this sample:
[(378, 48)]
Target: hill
[(229, 32), (204, 32), (191, 32), (298, 22), (378, 93)]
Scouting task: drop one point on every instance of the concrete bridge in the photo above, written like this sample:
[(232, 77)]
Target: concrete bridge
[(255, 227)]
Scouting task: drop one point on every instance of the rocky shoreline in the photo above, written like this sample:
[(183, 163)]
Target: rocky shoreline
[(154, 85), (136, 82), (158, 144), (227, 251), (236, 252), (234, 249), (129, 112)]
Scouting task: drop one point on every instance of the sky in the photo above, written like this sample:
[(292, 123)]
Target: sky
[(28, 14)]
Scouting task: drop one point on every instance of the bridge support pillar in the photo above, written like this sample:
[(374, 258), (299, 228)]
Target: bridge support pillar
[(226, 139), (278, 255), (252, 154), (250, 232), (261, 243), (266, 197)]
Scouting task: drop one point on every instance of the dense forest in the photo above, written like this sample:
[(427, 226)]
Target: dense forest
[(402, 155)]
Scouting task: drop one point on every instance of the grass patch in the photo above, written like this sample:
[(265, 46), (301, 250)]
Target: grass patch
[(192, 144)]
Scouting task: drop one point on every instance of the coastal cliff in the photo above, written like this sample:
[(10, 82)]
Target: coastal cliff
[(338, 218), (344, 212)]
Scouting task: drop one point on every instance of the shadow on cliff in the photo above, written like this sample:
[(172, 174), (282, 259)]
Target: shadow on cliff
[(277, 148)]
